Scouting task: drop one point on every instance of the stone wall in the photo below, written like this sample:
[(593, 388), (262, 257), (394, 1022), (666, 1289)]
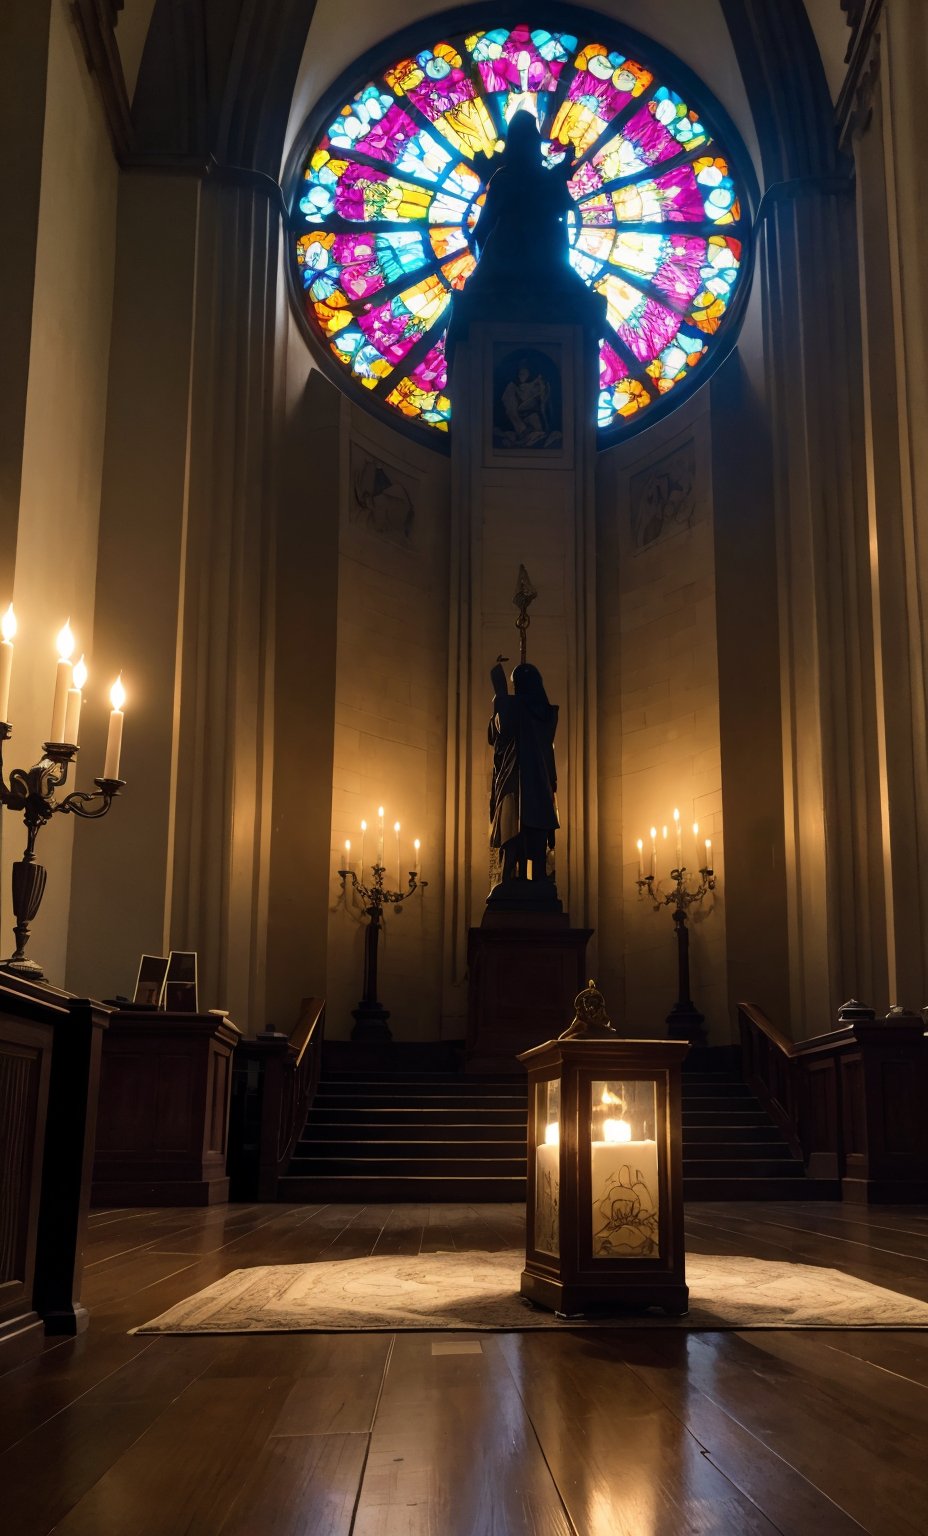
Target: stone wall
[(659, 714), (390, 713)]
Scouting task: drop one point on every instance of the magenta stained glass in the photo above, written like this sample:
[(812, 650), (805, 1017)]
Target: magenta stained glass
[(391, 190)]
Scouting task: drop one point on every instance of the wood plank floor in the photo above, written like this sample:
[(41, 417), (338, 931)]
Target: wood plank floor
[(612, 1433)]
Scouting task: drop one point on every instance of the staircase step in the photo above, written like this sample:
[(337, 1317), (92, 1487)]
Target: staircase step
[(747, 1168), (423, 1150), (739, 1135), (433, 1101), (732, 1152), (475, 1115), (434, 1082), (416, 1189), (406, 1167), (715, 1090), (714, 1104), (512, 1134), (724, 1117), (729, 1188)]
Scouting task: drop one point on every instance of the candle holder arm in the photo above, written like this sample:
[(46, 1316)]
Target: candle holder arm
[(80, 801), (415, 884)]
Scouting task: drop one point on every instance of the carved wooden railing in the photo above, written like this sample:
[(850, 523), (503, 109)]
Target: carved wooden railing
[(851, 1102), (275, 1082), (767, 1064)]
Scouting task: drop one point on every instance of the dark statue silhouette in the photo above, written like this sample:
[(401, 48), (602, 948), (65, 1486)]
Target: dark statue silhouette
[(523, 800), (523, 246)]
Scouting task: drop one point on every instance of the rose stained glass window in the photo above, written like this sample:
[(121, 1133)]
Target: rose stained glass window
[(390, 187)]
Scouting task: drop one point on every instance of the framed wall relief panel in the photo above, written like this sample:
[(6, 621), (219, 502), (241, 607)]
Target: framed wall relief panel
[(528, 393)]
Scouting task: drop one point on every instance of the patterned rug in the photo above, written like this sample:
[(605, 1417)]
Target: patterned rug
[(480, 1292)]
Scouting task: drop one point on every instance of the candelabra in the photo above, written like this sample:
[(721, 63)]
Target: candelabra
[(370, 1016), (684, 1021), (32, 791)]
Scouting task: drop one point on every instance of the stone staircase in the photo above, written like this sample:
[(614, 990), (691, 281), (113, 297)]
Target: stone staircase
[(439, 1136), (419, 1136), (733, 1150)]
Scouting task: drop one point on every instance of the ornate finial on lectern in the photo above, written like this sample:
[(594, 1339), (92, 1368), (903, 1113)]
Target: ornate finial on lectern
[(591, 1019), (525, 594)]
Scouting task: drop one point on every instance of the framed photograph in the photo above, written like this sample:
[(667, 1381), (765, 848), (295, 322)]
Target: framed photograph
[(180, 986), (150, 981)]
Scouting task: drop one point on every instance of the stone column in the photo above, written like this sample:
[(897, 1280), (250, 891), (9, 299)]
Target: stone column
[(807, 240), (881, 111)]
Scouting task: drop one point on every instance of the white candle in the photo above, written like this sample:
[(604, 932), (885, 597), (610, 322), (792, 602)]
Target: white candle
[(114, 734), (72, 715), (640, 859), (547, 1191), (654, 851), (396, 828), (8, 627), (380, 835), (363, 830), (417, 845), (619, 1169), (347, 852), (676, 823), (63, 675)]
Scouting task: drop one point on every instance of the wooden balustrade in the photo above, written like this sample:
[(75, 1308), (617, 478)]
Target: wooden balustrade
[(274, 1083), (851, 1101)]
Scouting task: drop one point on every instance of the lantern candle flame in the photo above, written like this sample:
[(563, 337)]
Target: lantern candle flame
[(616, 1131)]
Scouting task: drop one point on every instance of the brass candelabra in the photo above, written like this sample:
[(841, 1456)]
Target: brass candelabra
[(370, 1016), (33, 792), (684, 1021)]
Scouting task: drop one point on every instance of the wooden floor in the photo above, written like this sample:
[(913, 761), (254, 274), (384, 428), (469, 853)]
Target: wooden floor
[(558, 1434)]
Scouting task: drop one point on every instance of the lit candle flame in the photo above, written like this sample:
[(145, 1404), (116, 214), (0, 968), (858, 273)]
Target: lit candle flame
[(347, 844), (609, 1097), (417, 845), (8, 623), (676, 814), (695, 828), (118, 693), (396, 826), (552, 1134), (616, 1130), (364, 826), (80, 674), (65, 642), (640, 845), (380, 811)]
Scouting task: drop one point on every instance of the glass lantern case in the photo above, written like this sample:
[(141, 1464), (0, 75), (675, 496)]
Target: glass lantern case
[(604, 1218)]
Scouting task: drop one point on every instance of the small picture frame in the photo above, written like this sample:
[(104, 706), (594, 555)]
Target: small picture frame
[(149, 983), (180, 985)]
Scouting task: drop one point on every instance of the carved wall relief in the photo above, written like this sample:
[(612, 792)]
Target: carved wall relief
[(381, 498), (663, 497)]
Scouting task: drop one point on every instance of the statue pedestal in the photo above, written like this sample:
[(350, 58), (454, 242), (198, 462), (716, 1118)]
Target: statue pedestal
[(526, 965)]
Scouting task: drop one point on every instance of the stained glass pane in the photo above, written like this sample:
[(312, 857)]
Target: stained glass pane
[(391, 189)]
